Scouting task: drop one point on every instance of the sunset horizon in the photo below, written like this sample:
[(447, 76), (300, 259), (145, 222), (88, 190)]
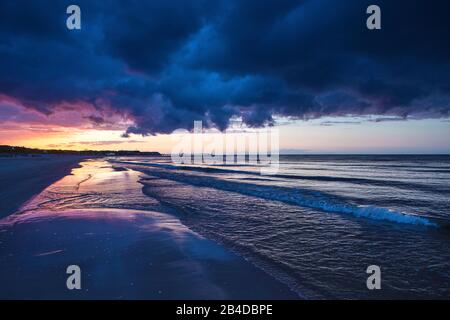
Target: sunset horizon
[(354, 91), (236, 157)]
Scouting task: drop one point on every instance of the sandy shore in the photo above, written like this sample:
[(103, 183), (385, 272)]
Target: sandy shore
[(123, 254), (23, 177)]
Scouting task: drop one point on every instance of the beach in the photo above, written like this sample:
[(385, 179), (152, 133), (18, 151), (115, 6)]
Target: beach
[(123, 254), (145, 228), (322, 220), (23, 177), (85, 219)]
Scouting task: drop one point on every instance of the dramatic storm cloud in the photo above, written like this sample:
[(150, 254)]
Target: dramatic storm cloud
[(163, 64)]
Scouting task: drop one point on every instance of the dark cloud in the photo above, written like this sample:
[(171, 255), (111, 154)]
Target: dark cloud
[(387, 119), (106, 143), (164, 64), (92, 143), (332, 123), (96, 119)]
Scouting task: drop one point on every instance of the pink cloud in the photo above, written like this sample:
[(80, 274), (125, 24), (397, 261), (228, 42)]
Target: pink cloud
[(80, 114)]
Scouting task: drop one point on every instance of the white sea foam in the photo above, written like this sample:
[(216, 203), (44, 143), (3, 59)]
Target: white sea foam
[(303, 198)]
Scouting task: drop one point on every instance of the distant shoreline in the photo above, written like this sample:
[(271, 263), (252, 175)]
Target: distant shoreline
[(8, 151), (5, 149)]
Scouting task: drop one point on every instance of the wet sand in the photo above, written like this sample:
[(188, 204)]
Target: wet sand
[(21, 178), (123, 254), (125, 244)]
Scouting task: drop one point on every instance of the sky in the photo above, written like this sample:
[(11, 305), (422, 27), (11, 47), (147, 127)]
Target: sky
[(137, 71)]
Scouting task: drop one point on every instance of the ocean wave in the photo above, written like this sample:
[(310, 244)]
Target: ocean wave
[(351, 180), (294, 196)]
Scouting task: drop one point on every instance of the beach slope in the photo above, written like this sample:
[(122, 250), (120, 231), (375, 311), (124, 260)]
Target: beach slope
[(23, 177), (122, 254)]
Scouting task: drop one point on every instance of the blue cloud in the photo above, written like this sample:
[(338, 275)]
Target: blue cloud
[(168, 63)]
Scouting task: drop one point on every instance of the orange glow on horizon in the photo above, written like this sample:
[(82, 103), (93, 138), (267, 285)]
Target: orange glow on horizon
[(80, 139), (301, 137)]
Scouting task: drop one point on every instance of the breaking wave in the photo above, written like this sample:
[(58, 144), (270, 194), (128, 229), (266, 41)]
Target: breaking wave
[(294, 196)]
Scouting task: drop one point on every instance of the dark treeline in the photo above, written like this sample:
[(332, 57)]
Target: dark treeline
[(30, 151)]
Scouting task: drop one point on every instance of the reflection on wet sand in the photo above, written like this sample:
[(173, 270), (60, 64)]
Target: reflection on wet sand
[(90, 219), (96, 184)]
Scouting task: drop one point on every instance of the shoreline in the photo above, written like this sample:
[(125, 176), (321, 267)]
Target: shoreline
[(123, 253), (22, 178)]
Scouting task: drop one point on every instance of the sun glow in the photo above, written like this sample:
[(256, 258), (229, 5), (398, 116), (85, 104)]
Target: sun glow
[(315, 136)]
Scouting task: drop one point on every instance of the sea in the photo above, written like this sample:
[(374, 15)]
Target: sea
[(317, 224)]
